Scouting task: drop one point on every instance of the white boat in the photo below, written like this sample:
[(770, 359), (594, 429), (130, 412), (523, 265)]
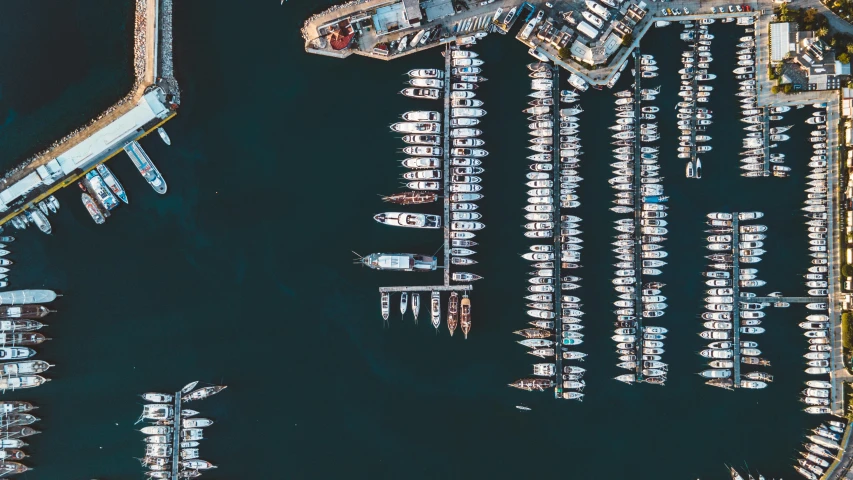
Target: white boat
[(412, 220)]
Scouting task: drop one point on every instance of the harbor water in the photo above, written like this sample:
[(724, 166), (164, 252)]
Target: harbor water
[(242, 274)]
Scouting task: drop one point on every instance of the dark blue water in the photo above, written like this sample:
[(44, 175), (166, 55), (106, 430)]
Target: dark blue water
[(242, 273)]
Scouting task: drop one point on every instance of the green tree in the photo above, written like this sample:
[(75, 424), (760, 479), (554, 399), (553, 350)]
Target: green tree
[(787, 88), (774, 89), (847, 270), (564, 52), (844, 58), (850, 47), (846, 334), (809, 15), (627, 40), (822, 32)]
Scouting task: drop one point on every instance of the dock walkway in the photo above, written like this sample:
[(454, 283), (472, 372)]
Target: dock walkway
[(427, 288), (446, 157), (176, 436), (737, 300), (638, 209), (558, 244)]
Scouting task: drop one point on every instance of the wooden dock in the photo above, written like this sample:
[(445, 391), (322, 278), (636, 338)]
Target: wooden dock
[(446, 156), (638, 209), (427, 288), (736, 298), (558, 244)]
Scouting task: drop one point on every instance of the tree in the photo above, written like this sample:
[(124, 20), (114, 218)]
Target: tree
[(844, 58), (847, 270), (822, 32), (846, 337), (627, 40), (564, 52), (774, 89), (787, 88), (809, 15)]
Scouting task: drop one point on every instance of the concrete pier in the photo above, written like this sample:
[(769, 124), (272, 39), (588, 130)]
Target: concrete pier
[(765, 120), (151, 102), (788, 299), (446, 157), (737, 300)]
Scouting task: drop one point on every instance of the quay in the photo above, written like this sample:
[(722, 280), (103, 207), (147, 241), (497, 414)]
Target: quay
[(153, 100), (638, 210), (176, 436), (558, 237), (736, 304), (428, 288)]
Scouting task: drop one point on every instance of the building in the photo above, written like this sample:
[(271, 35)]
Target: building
[(783, 40), (412, 10)]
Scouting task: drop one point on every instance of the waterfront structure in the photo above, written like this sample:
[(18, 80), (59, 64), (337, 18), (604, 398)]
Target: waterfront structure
[(153, 99)]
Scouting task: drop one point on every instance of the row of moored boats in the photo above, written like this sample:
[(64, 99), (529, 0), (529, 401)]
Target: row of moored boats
[(694, 119), (729, 253), (15, 425), (552, 311), (822, 448), (761, 136), (640, 232), (172, 438), (816, 327)]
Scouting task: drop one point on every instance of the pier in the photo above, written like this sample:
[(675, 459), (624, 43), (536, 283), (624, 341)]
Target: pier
[(638, 211), (737, 300), (176, 436), (765, 121), (448, 61), (428, 288), (152, 101), (788, 299), (558, 244)]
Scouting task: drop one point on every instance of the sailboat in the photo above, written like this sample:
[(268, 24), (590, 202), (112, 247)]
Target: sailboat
[(416, 305), (452, 312)]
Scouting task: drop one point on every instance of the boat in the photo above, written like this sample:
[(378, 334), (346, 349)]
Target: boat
[(203, 393), (146, 167), (157, 397), (411, 198), (426, 93), (385, 305), (405, 262), (530, 384), (465, 315), (411, 220), (112, 182), (92, 208)]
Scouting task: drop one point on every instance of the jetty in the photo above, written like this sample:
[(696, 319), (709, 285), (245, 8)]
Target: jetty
[(736, 297), (638, 210), (446, 198), (558, 238), (176, 436), (446, 159), (153, 99)]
